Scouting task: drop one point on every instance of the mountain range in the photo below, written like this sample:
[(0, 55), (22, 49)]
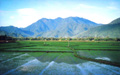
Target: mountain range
[(64, 27), (111, 30)]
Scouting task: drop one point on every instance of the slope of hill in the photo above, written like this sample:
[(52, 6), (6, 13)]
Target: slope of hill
[(116, 21), (65, 27), (110, 30), (15, 32), (60, 27)]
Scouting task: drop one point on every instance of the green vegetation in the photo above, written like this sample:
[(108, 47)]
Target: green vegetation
[(109, 30), (57, 55), (93, 50)]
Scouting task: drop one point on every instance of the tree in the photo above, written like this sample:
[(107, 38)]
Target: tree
[(97, 39), (106, 39), (90, 38)]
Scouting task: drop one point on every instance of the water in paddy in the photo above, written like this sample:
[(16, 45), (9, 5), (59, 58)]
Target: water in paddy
[(52, 64), (112, 56)]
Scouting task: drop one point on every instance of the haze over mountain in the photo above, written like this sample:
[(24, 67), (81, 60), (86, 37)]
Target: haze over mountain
[(59, 27), (65, 27), (14, 32), (109, 30)]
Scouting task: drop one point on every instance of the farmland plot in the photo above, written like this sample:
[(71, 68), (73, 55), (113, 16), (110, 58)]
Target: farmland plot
[(95, 45), (55, 63), (68, 65), (112, 56), (5, 56), (38, 63), (40, 48), (9, 64), (33, 67)]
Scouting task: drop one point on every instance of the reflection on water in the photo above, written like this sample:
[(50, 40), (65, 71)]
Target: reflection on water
[(34, 66), (112, 56), (103, 58), (37, 67)]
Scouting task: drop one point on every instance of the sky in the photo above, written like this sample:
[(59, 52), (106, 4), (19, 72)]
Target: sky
[(22, 13)]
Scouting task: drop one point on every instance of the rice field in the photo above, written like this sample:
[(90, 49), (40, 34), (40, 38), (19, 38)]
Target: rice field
[(58, 63)]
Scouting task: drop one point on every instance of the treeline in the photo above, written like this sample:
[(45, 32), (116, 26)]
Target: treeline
[(7, 39), (60, 39), (70, 39)]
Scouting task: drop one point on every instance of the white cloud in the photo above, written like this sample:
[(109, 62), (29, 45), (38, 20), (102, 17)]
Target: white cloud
[(12, 17), (27, 16), (112, 7), (27, 11), (85, 6), (96, 17)]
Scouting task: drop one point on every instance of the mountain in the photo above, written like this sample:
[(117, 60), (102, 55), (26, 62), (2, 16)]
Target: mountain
[(116, 21), (15, 32), (111, 30), (59, 27)]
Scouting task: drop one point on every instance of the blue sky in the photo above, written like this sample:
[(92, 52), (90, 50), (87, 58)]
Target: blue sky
[(21, 13)]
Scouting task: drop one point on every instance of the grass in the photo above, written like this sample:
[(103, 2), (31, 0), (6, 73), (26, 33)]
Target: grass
[(83, 53), (58, 46), (96, 45), (91, 50)]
